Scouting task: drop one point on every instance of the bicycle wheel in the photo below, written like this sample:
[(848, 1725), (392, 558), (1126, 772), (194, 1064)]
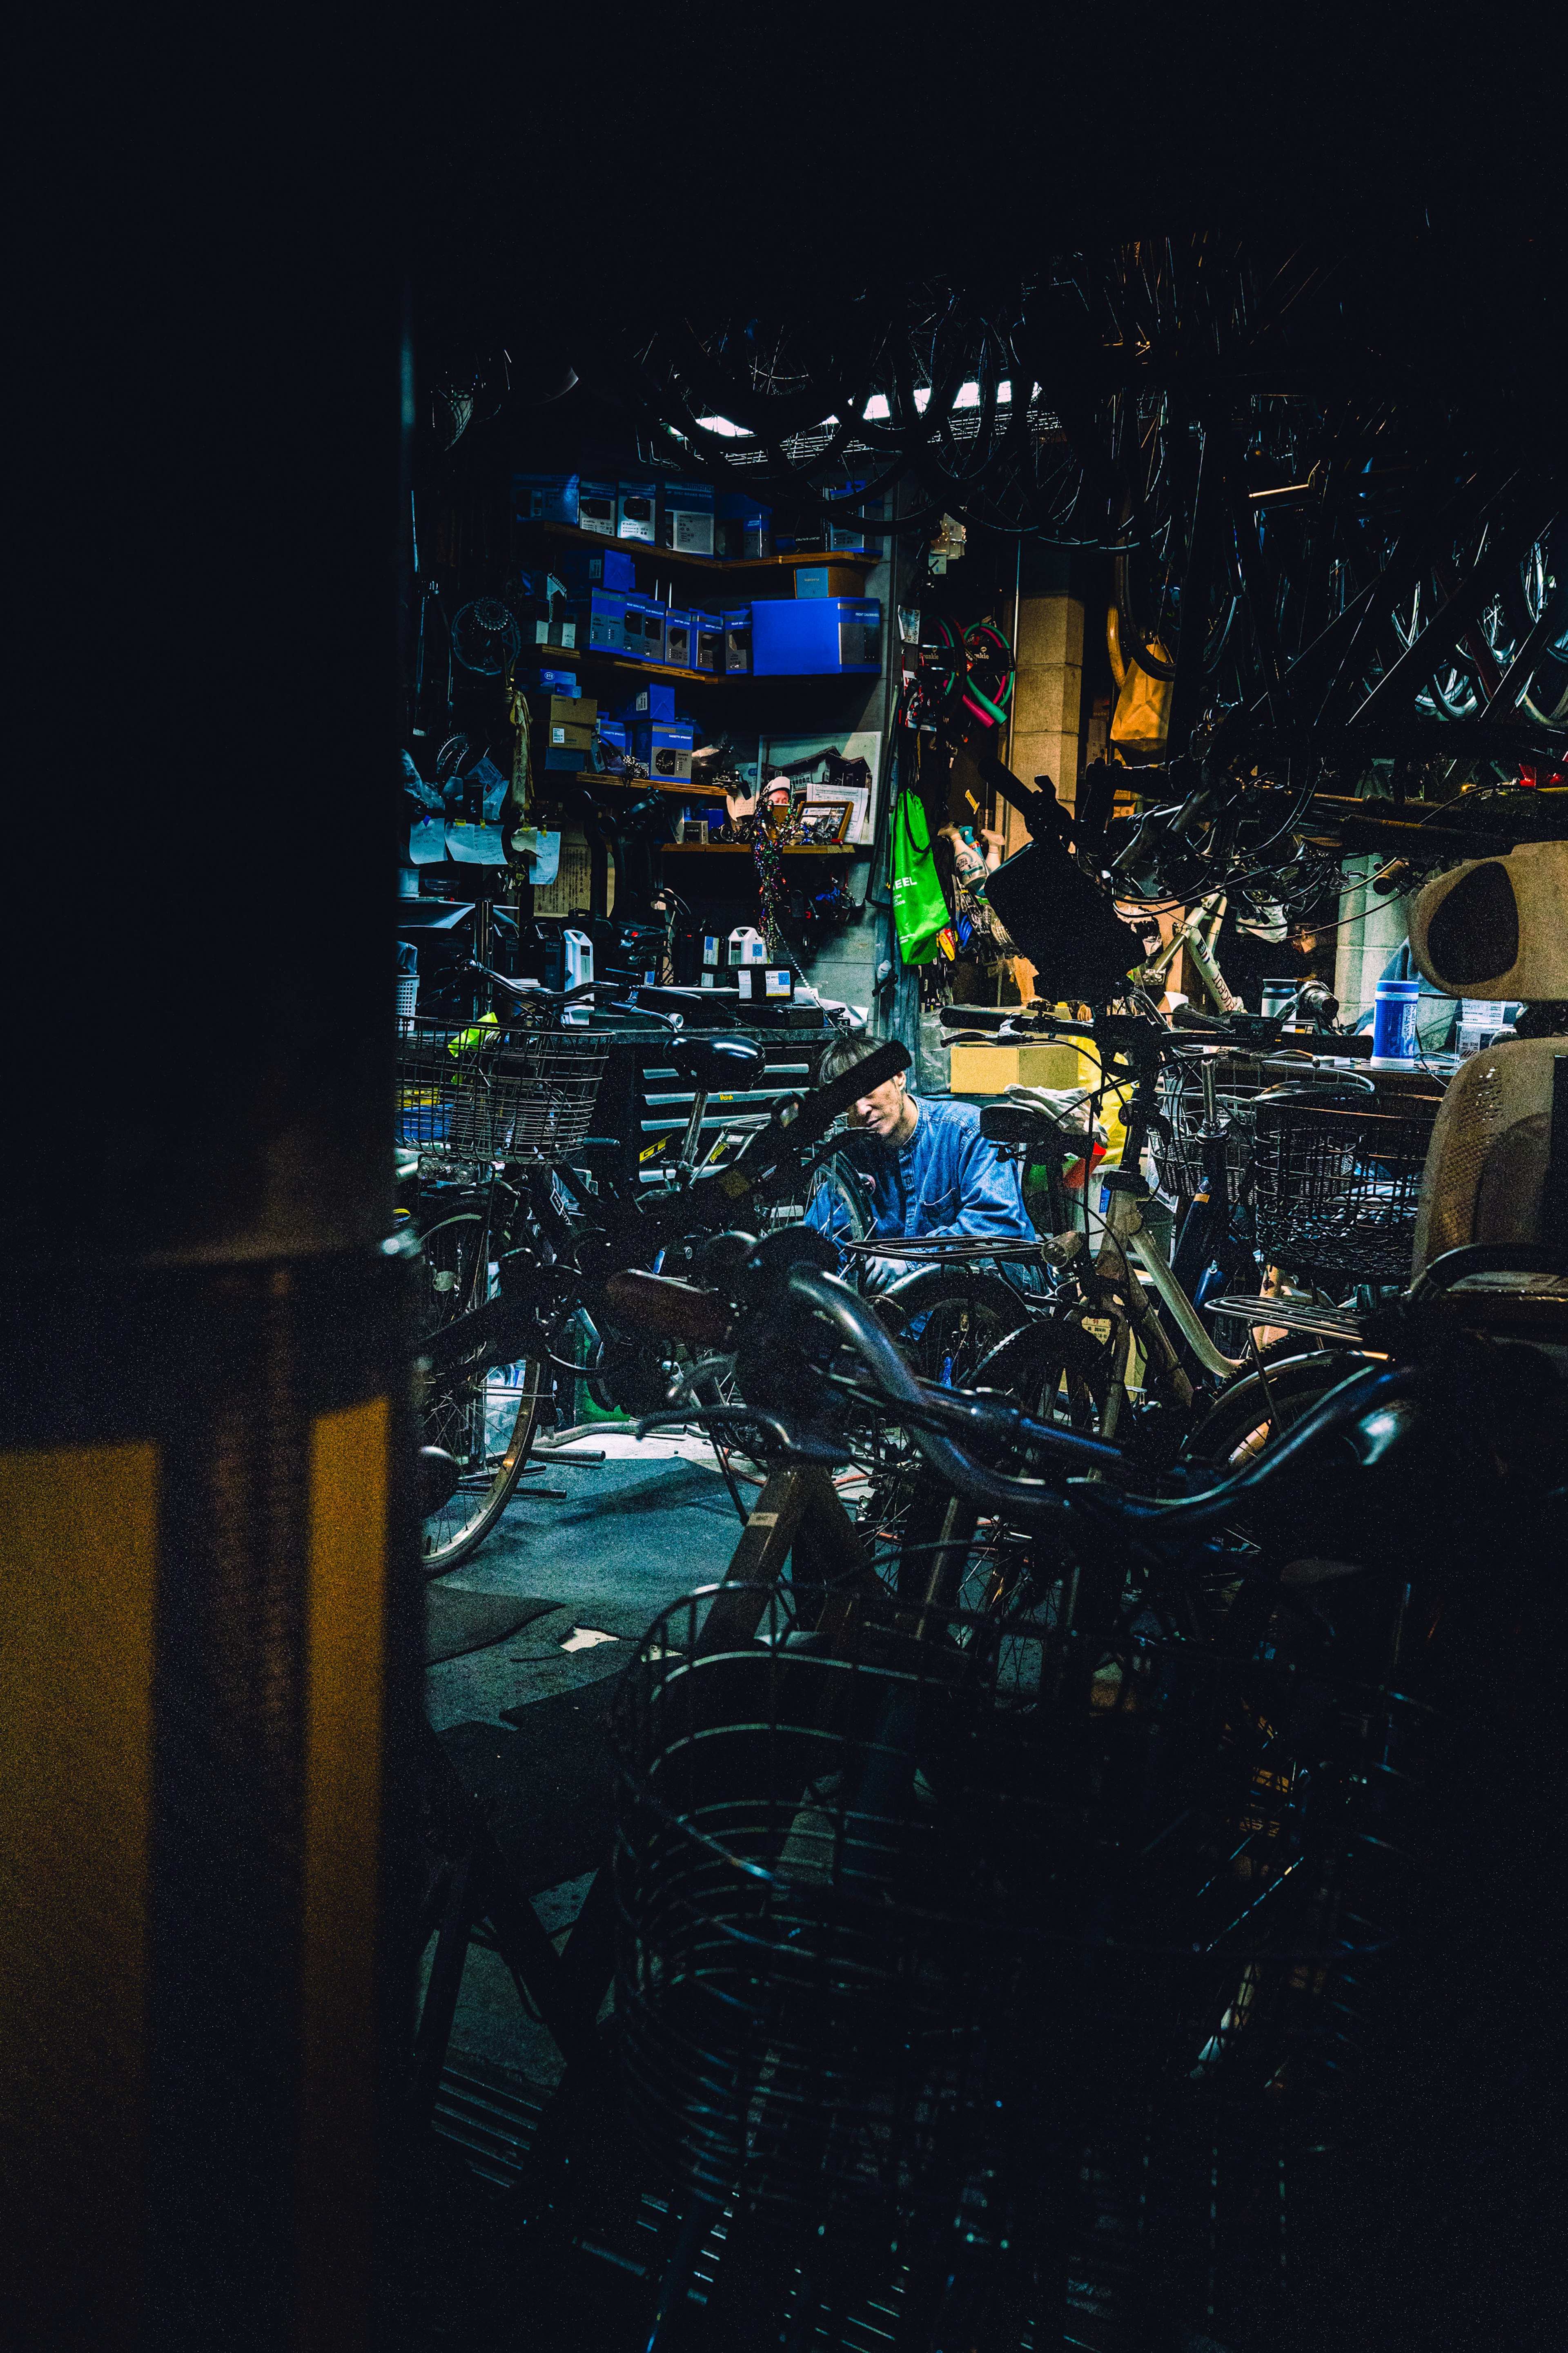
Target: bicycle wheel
[(948, 1319), (1252, 1410), (485, 1415)]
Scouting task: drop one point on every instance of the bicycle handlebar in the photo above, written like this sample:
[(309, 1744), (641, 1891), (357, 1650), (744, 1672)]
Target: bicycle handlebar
[(532, 992)]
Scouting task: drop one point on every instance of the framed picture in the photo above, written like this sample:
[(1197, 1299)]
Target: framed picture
[(827, 821)]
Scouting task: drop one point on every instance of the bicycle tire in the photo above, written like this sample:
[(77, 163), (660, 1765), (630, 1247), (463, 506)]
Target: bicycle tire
[(495, 1453), (973, 1311), (1046, 1357), (1233, 1430)]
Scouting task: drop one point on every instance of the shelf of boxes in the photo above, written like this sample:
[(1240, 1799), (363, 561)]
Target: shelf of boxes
[(647, 549), (744, 849)]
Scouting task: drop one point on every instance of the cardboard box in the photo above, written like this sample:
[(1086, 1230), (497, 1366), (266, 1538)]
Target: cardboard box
[(708, 643), (554, 633), (685, 518), (545, 498), (664, 748), (568, 757), (738, 642), (742, 526), (826, 580), (637, 506), (572, 738), (820, 635), (572, 711), (991, 1070), (678, 639), (596, 507), (654, 700)]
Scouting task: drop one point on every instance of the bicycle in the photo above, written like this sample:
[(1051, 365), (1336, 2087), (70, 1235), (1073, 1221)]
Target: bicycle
[(883, 1787), (519, 1260)]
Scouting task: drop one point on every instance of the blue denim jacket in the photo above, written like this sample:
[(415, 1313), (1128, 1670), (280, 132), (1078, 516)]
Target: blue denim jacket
[(946, 1180)]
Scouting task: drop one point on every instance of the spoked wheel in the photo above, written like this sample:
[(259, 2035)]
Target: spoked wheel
[(1252, 1412), (1056, 1373), (484, 1416), (948, 1319)]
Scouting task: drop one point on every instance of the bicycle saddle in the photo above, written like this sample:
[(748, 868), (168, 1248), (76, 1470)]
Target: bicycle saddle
[(1043, 1116), (719, 1065)]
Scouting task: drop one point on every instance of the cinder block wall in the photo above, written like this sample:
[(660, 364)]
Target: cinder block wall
[(1370, 929), (1048, 697)]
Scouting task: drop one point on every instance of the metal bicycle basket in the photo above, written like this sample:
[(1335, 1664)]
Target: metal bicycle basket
[(1179, 1161), (1336, 1181), (494, 1091), (890, 1905)]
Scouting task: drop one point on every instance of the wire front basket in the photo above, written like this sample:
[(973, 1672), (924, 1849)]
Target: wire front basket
[(889, 1901), (1337, 1184), (468, 1097), (1179, 1162)]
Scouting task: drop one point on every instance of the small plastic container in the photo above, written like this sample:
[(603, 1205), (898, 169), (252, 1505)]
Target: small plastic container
[(1393, 1040), (1276, 996)]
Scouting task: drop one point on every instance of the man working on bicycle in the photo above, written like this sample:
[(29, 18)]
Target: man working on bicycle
[(932, 1173)]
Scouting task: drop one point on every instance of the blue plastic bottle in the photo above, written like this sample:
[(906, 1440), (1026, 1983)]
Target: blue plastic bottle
[(1393, 1042)]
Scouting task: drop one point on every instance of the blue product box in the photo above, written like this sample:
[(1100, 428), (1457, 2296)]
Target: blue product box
[(583, 568), (708, 643), (738, 641), (645, 629), (545, 498), (685, 518), (742, 526), (636, 509), (678, 639), (562, 756), (664, 748), (614, 735), (654, 700), (547, 682), (596, 507), (822, 634), (850, 537), (606, 621)]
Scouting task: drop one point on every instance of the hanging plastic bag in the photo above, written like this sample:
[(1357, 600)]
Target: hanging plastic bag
[(920, 909)]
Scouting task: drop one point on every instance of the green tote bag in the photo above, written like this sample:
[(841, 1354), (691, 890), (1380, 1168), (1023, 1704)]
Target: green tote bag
[(920, 911)]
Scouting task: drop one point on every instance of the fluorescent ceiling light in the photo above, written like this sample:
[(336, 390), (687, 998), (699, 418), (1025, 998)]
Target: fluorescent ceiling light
[(723, 425)]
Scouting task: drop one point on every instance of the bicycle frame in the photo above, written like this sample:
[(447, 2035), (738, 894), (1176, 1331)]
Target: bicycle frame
[(1124, 1224)]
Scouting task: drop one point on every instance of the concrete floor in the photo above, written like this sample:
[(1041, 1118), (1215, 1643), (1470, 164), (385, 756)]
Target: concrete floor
[(627, 1537)]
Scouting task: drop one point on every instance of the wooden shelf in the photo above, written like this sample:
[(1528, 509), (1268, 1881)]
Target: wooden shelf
[(721, 564), (548, 657), (744, 849), (680, 790)]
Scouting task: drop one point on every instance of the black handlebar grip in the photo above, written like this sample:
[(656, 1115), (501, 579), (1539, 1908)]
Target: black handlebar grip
[(978, 1017)]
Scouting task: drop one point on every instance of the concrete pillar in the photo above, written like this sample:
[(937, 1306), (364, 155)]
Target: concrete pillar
[(1047, 694), (1371, 928)]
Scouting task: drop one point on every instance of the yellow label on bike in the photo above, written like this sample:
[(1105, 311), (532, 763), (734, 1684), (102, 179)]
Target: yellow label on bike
[(1098, 1327)]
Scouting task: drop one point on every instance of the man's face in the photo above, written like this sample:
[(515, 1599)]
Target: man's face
[(881, 1112)]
